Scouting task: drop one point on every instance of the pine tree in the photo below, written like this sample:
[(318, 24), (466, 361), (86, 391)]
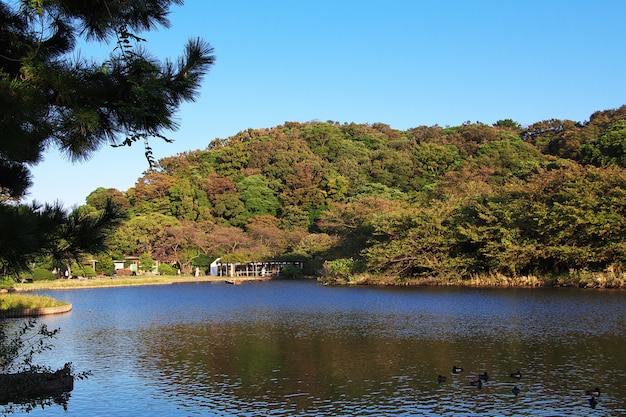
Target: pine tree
[(50, 97)]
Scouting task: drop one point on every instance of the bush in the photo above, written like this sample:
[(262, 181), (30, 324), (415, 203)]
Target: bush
[(42, 274), (77, 270), (105, 266), (123, 272), (291, 271), (6, 283), (146, 263), (88, 272), (343, 267), (165, 269)]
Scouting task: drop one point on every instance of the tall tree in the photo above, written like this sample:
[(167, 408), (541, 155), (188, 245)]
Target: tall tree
[(49, 98)]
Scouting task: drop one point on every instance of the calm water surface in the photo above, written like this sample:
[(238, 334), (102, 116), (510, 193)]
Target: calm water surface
[(300, 349)]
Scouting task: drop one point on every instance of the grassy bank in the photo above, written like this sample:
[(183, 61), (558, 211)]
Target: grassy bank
[(10, 302), (60, 284), (578, 279)]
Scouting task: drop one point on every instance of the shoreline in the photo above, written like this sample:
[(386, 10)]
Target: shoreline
[(110, 282), (528, 282), (36, 312)]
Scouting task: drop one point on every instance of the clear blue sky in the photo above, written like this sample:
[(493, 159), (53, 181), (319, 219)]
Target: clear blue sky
[(405, 63)]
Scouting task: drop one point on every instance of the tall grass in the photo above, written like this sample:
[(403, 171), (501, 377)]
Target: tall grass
[(21, 301)]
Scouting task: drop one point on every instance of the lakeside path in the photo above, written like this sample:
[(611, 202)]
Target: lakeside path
[(105, 282)]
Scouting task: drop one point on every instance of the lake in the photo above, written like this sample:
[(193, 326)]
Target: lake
[(297, 348)]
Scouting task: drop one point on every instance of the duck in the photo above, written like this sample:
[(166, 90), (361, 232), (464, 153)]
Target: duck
[(441, 378), (484, 376), (478, 383), (593, 402), (516, 375), (457, 369), (593, 392), (515, 390)]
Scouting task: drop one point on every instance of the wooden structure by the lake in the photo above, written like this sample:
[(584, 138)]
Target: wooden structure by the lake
[(254, 269)]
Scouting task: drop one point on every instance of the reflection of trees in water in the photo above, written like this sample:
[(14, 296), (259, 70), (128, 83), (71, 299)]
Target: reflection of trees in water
[(28, 405), (298, 365), (24, 385)]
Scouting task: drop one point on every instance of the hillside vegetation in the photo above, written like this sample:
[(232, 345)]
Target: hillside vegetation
[(496, 204)]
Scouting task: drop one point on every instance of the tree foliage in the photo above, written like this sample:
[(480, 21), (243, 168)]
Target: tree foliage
[(53, 97), (429, 204)]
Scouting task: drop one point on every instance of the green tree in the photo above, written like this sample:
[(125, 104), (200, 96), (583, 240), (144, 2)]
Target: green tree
[(105, 265), (99, 197), (393, 168), (414, 242), (258, 198), (230, 209), (608, 148), (508, 124), (507, 158), (431, 161), (29, 232), (49, 98), (557, 220), (141, 234), (146, 263), (188, 202), (354, 223)]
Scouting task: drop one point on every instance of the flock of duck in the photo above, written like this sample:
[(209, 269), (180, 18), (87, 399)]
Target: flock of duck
[(517, 375)]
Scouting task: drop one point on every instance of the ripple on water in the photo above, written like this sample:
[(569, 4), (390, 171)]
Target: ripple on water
[(304, 350)]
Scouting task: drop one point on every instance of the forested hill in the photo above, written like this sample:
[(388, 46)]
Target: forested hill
[(356, 201)]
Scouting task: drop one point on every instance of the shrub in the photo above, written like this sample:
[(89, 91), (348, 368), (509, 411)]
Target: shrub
[(291, 271), (123, 272), (343, 267), (88, 271), (42, 274), (6, 283), (165, 269), (105, 266), (77, 270), (146, 263)]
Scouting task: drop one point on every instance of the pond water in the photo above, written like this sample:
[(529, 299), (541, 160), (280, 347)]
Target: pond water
[(296, 348)]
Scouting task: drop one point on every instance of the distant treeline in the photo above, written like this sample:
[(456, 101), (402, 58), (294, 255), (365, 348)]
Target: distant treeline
[(499, 204)]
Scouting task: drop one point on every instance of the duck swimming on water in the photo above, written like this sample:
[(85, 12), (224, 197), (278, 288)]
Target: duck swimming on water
[(516, 375), (478, 383), (457, 369)]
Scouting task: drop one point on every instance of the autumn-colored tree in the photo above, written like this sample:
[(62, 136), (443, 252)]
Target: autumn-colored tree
[(302, 186), (230, 241), (268, 238)]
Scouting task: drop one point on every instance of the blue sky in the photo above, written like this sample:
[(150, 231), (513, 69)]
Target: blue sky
[(405, 63)]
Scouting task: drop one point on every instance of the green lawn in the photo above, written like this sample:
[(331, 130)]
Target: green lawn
[(109, 282)]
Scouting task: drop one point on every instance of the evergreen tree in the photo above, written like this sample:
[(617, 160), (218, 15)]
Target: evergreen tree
[(51, 98)]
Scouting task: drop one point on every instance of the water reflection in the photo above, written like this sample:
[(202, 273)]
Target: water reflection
[(296, 348)]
